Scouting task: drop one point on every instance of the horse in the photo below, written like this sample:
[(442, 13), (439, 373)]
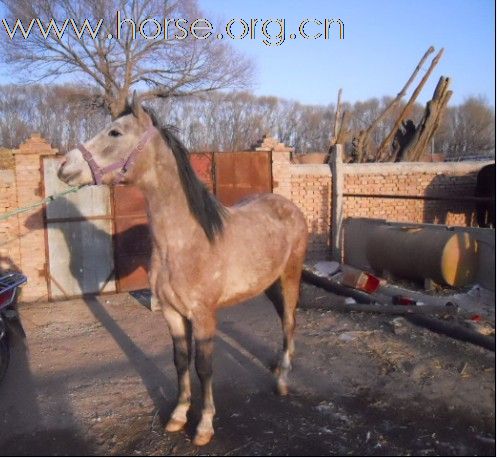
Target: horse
[(205, 256), (485, 187)]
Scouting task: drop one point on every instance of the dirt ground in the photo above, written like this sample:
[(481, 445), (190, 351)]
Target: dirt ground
[(95, 376)]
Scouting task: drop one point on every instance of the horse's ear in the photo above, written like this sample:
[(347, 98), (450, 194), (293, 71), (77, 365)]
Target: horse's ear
[(135, 105), (137, 109)]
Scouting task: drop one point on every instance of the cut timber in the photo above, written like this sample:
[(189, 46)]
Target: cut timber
[(417, 145), (385, 150), (363, 138)]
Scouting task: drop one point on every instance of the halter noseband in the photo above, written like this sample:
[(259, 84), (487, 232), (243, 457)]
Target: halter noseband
[(124, 164)]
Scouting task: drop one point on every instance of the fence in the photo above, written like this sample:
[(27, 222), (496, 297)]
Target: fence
[(44, 241)]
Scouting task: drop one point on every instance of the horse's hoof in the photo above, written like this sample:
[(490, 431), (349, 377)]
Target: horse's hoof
[(154, 304), (203, 438), (174, 425), (282, 388)]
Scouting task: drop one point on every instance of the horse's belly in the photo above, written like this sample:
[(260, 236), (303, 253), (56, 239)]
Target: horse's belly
[(252, 274)]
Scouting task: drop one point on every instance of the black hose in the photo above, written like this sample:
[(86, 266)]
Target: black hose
[(364, 300), (335, 287), (453, 330)]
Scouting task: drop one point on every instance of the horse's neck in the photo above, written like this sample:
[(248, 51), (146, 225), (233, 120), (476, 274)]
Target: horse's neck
[(171, 221)]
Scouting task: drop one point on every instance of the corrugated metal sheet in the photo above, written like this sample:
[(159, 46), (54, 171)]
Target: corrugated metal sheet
[(240, 174), (132, 242), (202, 164)]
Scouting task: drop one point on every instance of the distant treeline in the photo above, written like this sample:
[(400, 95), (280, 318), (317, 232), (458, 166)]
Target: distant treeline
[(233, 121)]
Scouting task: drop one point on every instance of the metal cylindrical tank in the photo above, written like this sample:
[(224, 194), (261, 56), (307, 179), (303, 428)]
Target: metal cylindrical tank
[(418, 253)]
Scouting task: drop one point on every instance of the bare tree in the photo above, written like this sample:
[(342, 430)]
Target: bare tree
[(45, 109), (468, 130), (169, 65), (235, 121)]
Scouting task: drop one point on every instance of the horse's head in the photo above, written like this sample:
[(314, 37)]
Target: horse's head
[(107, 157)]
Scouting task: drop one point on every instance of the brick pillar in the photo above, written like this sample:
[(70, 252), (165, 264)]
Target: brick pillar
[(32, 250), (280, 166)]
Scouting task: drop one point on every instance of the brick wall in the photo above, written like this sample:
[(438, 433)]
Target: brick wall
[(9, 229), (309, 186), (444, 180), (24, 249)]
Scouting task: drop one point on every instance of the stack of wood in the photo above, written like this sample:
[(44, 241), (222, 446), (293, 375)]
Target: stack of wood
[(406, 140)]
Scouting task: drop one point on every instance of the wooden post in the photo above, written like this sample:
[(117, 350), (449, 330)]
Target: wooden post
[(336, 164)]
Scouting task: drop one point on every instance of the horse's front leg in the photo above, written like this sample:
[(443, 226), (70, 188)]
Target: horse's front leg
[(204, 330), (181, 333)]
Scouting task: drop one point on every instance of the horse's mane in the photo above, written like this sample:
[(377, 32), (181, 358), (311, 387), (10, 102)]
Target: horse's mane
[(206, 209)]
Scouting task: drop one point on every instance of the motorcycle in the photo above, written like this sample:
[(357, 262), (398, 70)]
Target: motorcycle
[(9, 289)]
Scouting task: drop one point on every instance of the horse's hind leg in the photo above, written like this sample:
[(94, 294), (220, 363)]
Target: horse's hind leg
[(181, 333), (152, 277), (284, 294)]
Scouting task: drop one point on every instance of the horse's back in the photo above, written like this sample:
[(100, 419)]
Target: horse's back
[(273, 206)]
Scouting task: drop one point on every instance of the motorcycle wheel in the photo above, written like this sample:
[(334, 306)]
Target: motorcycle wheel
[(4, 356)]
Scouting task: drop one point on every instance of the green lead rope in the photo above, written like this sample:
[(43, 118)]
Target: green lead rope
[(32, 206)]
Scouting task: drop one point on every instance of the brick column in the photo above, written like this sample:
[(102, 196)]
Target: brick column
[(280, 164), (32, 250)]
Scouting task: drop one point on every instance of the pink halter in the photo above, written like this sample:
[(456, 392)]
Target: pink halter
[(124, 164)]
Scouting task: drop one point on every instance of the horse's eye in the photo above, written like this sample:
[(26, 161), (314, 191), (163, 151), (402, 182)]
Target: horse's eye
[(114, 133)]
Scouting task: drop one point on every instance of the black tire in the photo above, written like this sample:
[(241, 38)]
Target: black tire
[(4, 356)]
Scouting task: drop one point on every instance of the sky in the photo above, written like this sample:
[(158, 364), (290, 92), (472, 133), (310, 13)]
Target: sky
[(383, 41)]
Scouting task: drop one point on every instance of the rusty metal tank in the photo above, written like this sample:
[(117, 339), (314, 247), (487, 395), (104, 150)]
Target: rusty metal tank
[(418, 253)]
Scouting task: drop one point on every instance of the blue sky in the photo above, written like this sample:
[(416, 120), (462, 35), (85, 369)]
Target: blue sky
[(384, 39)]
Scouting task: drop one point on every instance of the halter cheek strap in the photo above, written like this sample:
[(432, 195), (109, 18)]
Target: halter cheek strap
[(124, 164)]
